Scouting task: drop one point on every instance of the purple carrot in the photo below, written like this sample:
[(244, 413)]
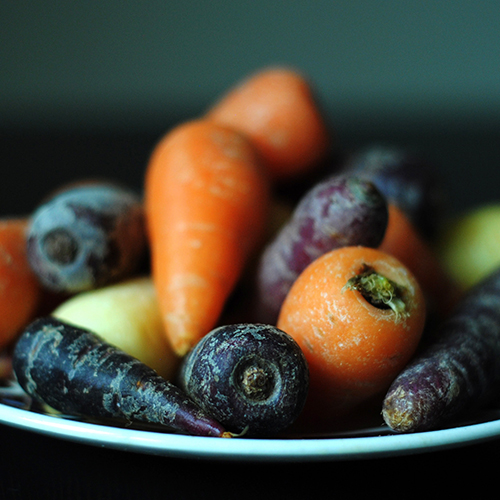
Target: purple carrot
[(343, 210), (75, 372), (86, 236), (458, 370), (405, 179), (253, 378)]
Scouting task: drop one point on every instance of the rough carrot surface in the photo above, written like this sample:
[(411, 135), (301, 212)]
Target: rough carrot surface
[(456, 372), (355, 341), (77, 373), (276, 108), (20, 292), (206, 200)]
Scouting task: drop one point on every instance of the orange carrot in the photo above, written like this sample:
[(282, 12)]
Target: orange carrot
[(206, 200), (20, 292), (404, 242), (276, 109), (358, 314)]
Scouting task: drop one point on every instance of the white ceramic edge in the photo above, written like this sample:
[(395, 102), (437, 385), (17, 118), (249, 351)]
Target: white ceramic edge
[(166, 444)]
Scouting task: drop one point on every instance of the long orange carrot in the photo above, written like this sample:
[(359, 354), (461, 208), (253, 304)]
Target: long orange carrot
[(276, 108), (206, 198), (404, 242)]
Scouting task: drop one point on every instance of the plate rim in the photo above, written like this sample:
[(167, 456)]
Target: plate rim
[(254, 449)]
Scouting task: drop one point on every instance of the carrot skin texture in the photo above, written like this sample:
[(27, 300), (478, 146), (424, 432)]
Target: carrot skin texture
[(252, 378), (354, 349), (206, 199), (343, 210), (457, 371), (73, 371)]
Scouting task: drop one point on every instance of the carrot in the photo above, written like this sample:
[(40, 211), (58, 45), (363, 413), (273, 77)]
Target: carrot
[(5, 365), (86, 236), (404, 242), (406, 179), (20, 292), (206, 200), (456, 372), (358, 314), (252, 378), (469, 244), (275, 107), (75, 372)]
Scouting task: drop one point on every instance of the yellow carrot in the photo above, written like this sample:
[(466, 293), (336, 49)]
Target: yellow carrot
[(124, 314)]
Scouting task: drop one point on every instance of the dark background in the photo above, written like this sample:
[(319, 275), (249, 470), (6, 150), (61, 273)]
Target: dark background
[(87, 88)]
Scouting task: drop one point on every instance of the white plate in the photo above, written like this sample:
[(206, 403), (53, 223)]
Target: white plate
[(366, 443)]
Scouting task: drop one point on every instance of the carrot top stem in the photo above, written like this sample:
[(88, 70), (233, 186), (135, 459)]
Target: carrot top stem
[(60, 246), (257, 383), (379, 290)]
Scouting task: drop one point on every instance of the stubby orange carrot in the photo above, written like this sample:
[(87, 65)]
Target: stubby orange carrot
[(20, 292), (404, 242), (206, 200), (276, 108), (358, 314)]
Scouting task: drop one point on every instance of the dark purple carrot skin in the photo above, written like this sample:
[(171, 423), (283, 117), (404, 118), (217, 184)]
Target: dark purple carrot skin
[(73, 371), (458, 370), (405, 179), (343, 210), (86, 236), (252, 378)]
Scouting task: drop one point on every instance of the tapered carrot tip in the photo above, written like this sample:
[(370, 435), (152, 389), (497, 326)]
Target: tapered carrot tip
[(97, 380), (206, 201)]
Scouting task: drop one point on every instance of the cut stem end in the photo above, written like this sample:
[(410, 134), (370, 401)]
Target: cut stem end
[(379, 291)]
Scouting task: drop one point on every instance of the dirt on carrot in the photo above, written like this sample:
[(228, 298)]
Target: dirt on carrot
[(206, 202), (20, 292), (358, 314), (276, 108)]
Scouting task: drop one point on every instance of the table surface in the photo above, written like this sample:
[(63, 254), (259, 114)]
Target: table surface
[(36, 466)]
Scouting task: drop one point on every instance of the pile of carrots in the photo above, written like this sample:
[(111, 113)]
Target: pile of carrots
[(209, 195)]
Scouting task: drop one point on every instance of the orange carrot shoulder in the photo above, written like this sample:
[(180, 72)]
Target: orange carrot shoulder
[(206, 200), (404, 242)]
